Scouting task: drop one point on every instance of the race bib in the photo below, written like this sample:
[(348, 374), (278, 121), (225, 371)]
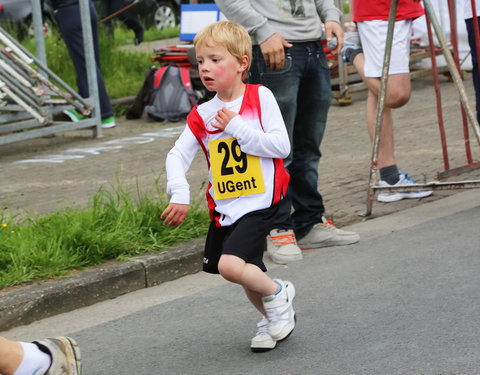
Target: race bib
[(234, 173)]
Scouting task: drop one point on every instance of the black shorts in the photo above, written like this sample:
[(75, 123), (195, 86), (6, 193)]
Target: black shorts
[(246, 239)]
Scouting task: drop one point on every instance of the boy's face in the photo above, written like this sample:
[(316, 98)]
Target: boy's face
[(219, 69)]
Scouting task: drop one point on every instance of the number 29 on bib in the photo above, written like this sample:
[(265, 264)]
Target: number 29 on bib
[(234, 173)]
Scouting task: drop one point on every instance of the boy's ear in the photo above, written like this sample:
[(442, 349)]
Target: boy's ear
[(244, 63)]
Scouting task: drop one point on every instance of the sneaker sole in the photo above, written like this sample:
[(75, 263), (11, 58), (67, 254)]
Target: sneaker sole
[(76, 353), (285, 259), (312, 246), (400, 196), (294, 325), (259, 349), (262, 349)]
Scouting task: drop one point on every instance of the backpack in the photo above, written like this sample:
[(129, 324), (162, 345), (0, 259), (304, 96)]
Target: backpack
[(172, 97), (166, 95)]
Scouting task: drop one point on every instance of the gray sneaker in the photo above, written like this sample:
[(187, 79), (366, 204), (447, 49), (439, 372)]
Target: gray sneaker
[(262, 342), (282, 246), (65, 355), (327, 234)]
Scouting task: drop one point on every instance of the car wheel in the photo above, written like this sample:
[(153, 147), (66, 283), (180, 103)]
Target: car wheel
[(165, 16)]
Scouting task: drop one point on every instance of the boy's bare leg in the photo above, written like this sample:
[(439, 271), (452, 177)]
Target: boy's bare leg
[(11, 355), (255, 282), (256, 299)]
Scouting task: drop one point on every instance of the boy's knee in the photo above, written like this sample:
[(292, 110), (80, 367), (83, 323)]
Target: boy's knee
[(228, 270)]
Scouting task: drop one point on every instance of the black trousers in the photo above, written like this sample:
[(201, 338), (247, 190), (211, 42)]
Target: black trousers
[(475, 72), (69, 23), (128, 19)]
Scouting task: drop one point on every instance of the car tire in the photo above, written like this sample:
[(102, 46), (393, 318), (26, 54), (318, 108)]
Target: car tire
[(165, 16)]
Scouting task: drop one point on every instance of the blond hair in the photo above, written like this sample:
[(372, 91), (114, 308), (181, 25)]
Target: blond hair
[(229, 34)]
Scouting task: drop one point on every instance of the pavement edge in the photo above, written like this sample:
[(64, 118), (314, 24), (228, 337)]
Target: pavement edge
[(27, 304)]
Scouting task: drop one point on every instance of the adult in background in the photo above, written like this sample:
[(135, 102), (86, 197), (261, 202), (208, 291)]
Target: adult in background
[(471, 41), (365, 49), (128, 19), (288, 58), (67, 15)]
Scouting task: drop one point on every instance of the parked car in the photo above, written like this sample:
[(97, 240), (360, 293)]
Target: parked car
[(160, 14), (16, 15)]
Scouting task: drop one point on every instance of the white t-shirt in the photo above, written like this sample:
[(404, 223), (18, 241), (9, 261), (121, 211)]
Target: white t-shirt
[(265, 137)]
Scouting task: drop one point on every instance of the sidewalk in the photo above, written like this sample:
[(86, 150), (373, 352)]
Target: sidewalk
[(52, 173)]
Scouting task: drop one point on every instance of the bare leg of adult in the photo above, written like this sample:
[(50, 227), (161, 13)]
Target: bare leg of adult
[(386, 154), (398, 86)]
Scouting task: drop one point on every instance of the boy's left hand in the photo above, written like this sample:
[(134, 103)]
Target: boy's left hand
[(223, 117)]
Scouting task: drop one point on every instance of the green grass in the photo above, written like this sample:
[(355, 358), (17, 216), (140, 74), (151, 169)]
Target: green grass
[(116, 225), (123, 71), (123, 35)]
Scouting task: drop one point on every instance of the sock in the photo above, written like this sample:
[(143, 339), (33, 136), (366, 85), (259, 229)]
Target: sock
[(33, 360), (390, 174), (270, 298)]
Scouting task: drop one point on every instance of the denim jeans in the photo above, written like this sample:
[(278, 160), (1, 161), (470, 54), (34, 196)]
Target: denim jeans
[(303, 92)]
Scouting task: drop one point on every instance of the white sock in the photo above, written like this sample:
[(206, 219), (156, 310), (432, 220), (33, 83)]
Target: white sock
[(33, 360)]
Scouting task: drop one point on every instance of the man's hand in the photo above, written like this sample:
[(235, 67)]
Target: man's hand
[(334, 28), (273, 51), (223, 117), (174, 214)]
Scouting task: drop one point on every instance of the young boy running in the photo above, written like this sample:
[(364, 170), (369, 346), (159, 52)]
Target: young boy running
[(243, 136)]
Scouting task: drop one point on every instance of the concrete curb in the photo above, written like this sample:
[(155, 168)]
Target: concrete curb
[(27, 304)]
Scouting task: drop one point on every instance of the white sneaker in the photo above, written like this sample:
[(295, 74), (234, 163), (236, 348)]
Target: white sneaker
[(404, 181), (262, 342), (280, 313), (282, 246), (327, 234)]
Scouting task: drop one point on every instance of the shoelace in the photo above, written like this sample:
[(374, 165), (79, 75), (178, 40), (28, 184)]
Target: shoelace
[(408, 179), (329, 224), (272, 315), (262, 330), (284, 239)]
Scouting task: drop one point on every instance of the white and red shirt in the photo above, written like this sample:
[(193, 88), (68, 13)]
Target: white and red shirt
[(369, 10), (245, 161)]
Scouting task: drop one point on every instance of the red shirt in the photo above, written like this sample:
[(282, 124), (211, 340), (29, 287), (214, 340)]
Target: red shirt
[(368, 10)]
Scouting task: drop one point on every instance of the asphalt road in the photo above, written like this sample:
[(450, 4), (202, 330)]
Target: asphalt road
[(405, 300)]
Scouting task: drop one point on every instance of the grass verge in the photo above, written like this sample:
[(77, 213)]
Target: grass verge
[(115, 225), (123, 71)]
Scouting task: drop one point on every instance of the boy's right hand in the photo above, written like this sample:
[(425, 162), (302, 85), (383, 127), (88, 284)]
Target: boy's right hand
[(174, 214)]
